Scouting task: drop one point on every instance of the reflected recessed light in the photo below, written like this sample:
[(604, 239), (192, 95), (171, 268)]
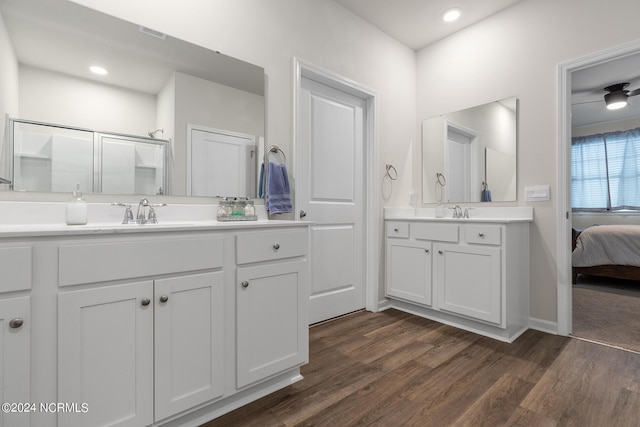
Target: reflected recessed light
[(98, 70), (451, 14)]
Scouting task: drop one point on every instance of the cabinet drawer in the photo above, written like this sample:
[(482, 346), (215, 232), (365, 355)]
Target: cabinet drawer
[(15, 265), (484, 234), (104, 261), (270, 245), (435, 231), (398, 229)]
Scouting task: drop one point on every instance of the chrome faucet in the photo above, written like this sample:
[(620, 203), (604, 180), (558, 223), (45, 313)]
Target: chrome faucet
[(142, 217), (457, 211)]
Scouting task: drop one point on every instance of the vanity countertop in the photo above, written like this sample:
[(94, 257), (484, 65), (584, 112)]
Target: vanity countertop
[(44, 230), (477, 214)]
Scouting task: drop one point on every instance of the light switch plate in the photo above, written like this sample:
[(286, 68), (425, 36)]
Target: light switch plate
[(536, 193)]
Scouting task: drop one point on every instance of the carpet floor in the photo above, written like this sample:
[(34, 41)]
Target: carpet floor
[(607, 311)]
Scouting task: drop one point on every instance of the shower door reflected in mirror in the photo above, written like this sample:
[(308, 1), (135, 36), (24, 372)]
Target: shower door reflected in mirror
[(50, 158)]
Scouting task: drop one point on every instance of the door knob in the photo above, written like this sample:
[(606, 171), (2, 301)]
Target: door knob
[(302, 214)]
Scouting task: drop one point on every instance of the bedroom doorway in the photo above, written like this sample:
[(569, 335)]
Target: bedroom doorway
[(578, 314)]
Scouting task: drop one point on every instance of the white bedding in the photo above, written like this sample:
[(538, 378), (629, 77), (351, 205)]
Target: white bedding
[(608, 244)]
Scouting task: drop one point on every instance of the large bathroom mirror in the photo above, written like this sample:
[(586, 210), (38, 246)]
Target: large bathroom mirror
[(470, 155), (157, 88)]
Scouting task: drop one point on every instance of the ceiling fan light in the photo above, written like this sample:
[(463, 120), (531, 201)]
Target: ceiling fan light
[(616, 100)]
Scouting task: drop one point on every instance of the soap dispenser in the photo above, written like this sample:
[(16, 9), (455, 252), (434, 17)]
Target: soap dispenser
[(76, 208)]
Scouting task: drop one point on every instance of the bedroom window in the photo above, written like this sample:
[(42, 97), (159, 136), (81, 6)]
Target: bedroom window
[(605, 171)]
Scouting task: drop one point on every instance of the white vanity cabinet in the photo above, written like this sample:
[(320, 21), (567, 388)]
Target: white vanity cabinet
[(271, 298), (127, 348), (150, 326), (469, 274), (15, 339)]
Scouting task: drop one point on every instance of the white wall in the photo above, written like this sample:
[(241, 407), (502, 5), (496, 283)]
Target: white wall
[(52, 97), (517, 52)]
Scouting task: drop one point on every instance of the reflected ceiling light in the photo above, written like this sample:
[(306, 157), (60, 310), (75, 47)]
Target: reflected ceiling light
[(451, 15), (101, 71)]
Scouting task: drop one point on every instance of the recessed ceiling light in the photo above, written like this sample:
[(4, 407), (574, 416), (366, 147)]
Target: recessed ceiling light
[(451, 15), (101, 71)]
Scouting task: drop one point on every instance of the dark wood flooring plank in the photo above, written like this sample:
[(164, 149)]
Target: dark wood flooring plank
[(392, 369)]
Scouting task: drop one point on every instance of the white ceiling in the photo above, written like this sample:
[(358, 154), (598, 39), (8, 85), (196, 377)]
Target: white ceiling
[(587, 88), (418, 23), (65, 37)]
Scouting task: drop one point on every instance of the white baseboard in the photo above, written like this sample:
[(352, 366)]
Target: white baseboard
[(543, 325), (534, 323)]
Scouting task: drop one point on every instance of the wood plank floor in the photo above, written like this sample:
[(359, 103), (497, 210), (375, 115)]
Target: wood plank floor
[(395, 369)]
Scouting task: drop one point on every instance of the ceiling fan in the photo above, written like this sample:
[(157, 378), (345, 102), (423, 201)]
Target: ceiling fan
[(616, 97)]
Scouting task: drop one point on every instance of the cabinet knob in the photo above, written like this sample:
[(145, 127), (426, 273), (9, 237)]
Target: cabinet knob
[(164, 298), (481, 234), (396, 230), (16, 323), (276, 246), (440, 252), (145, 302), (427, 250), (245, 284)]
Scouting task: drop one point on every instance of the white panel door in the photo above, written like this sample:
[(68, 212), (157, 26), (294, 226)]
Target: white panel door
[(457, 167), (189, 339), (221, 163), (329, 174)]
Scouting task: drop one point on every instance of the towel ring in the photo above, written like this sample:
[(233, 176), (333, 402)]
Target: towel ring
[(276, 149), (440, 179), (390, 168)]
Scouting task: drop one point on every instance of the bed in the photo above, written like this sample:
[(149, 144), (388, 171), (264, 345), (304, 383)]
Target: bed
[(607, 250)]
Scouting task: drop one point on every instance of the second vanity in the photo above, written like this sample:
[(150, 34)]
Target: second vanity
[(472, 273), (169, 324)]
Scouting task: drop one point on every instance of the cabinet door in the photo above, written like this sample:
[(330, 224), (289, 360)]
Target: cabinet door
[(469, 281), (105, 355), (15, 357), (189, 359), (272, 318), (409, 270)]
